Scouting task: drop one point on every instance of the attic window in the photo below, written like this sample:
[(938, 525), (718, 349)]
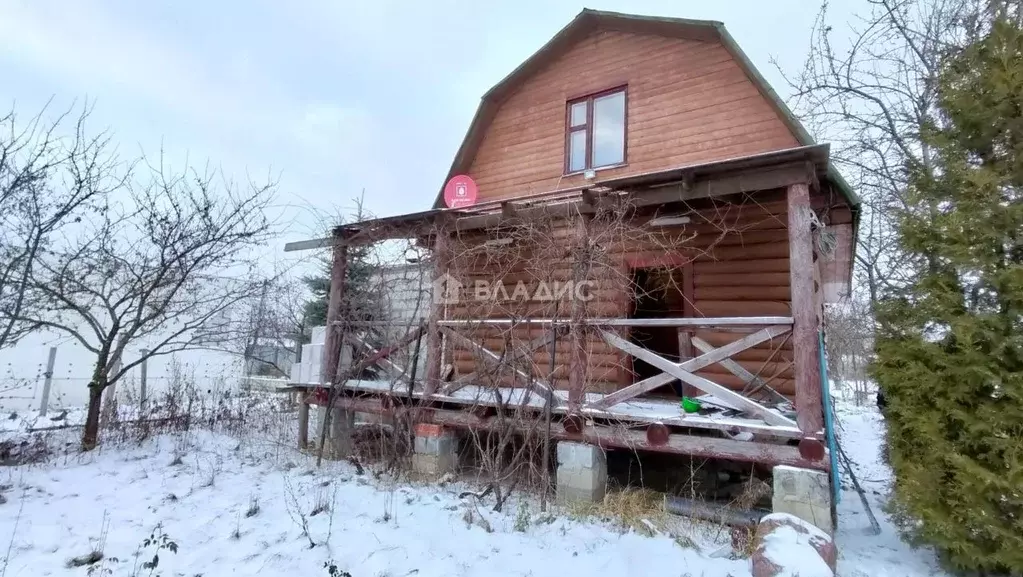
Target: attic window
[(595, 133)]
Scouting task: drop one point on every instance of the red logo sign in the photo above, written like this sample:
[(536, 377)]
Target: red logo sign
[(460, 192)]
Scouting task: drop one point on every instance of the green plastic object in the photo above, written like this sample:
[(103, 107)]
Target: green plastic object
[(691, 405)]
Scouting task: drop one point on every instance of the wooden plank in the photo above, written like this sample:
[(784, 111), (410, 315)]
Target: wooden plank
[(718, 308), (303, 419), (773, 279), (753, 322), (532, 382), (434, 344), (746, 267), (333, 339), (709, 387), (744, 293), (809, 408), (738, 370), (753, 180), (577, 336), (769, 453), (708, 358), (396, 371), (693, 81), (310, 244), (526, 351), (685, 347)]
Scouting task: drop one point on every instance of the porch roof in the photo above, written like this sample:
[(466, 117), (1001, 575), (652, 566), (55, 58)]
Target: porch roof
[(719, 178)]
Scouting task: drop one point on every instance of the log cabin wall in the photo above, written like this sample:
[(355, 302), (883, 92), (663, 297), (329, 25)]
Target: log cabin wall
[(735, 250)]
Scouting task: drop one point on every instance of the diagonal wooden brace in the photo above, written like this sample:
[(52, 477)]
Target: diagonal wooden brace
[(396, 371), (539, 386), (705, 385), (740, 371), (708, 358), (531, 346)]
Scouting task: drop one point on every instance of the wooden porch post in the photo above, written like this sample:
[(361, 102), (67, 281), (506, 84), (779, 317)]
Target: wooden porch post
[(333, 337), (434, 339), (809, 409), (579, 358), (303, 419), (685, 335)]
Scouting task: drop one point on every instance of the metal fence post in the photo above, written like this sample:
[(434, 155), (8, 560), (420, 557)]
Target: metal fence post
[(47, 382), (143, 371)]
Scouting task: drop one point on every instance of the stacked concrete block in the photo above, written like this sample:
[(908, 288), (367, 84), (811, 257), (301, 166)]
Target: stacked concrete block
[(582, 473), (435, 450), (803, 493), (312, 363), (319, 336)]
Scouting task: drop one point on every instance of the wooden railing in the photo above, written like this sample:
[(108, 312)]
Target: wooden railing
[(758, 330)]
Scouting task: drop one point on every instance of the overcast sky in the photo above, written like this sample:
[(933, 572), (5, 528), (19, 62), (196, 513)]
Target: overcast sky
[(331, 96)]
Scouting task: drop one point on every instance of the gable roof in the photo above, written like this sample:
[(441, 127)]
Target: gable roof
[(589, 21)]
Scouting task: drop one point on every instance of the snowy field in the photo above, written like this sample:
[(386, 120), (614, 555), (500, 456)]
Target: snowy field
[(253, 506)]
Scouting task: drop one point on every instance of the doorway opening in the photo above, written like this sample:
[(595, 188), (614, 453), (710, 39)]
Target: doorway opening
[(657, 293)]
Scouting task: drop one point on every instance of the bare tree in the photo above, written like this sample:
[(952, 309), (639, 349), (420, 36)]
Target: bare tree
[(869, 89), (159, 266), (272, 319), (51, 174)]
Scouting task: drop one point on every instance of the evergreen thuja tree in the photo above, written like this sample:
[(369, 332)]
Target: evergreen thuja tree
[(360, 300), (950, 346)]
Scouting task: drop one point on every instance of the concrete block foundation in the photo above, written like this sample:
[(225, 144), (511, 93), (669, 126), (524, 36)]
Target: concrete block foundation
[(435, 450), (804, 493), (582, 473)]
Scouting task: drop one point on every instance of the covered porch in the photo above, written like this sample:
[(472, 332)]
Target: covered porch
[(747, 419)]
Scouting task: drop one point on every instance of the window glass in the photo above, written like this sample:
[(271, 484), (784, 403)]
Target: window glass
[(578, 114), (577, 151), (609, 129)]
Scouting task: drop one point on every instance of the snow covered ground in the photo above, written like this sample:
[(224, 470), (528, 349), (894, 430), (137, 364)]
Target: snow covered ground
[(246, 507), (861, 430)]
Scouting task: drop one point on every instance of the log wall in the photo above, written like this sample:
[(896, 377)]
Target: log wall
[(736, 251)]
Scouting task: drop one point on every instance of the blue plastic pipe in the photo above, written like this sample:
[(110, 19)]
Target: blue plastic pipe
[(829, 421)]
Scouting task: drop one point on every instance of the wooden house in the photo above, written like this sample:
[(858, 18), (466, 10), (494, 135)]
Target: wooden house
[(645, 164)]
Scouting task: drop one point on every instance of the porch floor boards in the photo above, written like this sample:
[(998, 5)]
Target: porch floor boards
[(641, 410)]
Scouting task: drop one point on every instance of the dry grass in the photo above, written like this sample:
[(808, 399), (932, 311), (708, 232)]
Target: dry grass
[(629, 509)]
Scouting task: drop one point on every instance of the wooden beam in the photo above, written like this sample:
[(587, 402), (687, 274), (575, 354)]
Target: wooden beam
[(579, 358), (333, 339), (729, 183), (531, 346), (616, 437), (484, 397), (310, 244), (303, 419), (738, 370), (434, 340), (395, 370), (752, 322), (383, 353), (535, 384), (809, 407), (708, 358), (685, 345), (707, 386), (508, 210)]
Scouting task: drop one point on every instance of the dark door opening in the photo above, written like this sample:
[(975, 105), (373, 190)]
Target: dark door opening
[(656, 295)]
